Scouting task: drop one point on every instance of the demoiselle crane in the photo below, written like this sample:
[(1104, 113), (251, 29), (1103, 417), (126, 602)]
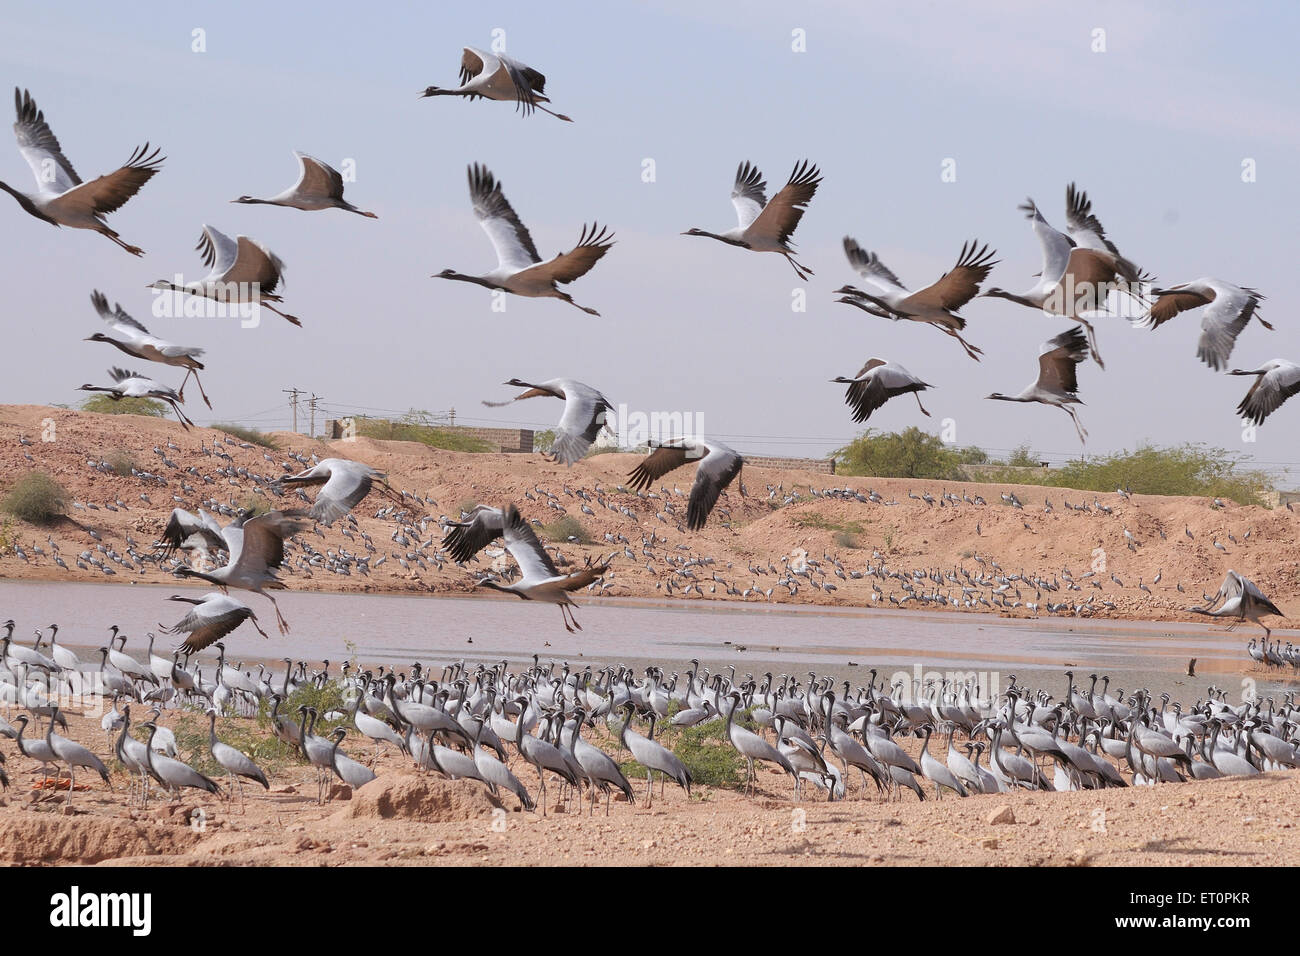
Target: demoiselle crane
[(241, 271), (214, 616), (652, 756), (236, 763), (495, 76), (520, 269), (876, 383), (1228, 310), (1275, 381), (319, 186), (254, 560), (718, 466), (345, 485), (1057, 384), (1241, 599), (61, 198), (473, 532), (936, 304), (134, 385), (131, 337), (74, 755), (584, 415), (540, 579), (172, 773), (766, 226), (1075, 279)]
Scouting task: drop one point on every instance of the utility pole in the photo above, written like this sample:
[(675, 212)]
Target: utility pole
[(452, 416), (311, 403), (293, 394)]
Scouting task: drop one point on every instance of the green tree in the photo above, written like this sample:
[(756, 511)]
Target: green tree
[(910, 453), (103, 405), (1022, 456)]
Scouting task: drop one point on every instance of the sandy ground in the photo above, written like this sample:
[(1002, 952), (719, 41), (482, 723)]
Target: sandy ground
[(744, 533), (408, 819)]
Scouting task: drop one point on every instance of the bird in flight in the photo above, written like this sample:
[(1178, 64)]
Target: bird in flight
[(520, 270), (1229, 309), (936, 304), (584, 414), (319, 186), (718, 467), (766, 226), (61, 198), (1057, 383), (495, 76), (878, 382), (134, 339)]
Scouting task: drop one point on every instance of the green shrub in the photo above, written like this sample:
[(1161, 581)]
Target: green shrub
[(103, 405), (120, 460), (36, 498), (562, 529), (911, 453), (1188, 469), (250, 435), (845, 539), (386, 430), (543, 441)]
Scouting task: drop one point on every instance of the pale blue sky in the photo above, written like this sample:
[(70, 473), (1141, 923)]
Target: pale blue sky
[(1155, 128)]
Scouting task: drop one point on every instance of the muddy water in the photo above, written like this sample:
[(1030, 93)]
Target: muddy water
[(844, 642)]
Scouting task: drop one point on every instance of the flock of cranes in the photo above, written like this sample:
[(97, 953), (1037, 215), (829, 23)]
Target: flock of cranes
[(463, 720), (1082, 271)]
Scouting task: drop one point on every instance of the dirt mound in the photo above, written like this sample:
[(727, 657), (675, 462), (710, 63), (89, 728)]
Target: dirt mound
[(29, 837), (427, 799)]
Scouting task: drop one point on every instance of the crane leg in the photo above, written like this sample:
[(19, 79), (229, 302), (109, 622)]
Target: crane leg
[(1092, 342), (917, 396), (292, 318)]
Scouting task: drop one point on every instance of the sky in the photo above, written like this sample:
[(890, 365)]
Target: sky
[(1151, 107)]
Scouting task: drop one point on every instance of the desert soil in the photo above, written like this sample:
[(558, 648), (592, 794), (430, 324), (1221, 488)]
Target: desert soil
[(403, 818)]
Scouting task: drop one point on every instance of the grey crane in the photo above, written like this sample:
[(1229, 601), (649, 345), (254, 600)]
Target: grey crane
[(652, 756), (520, 269), (495, 76), (753, 747), (1057, 382), (129, 336), (319, 186), (766, 226), (584, 417), (61, 198), (236, 763), (172, 773), (1243, 600), (597, 766)]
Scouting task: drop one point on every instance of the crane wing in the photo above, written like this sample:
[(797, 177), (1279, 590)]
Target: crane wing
[(109, 192), (748, 193), (658, 463), (522, 543), (510, 238), (592, 245), (781, 215), (958, 286), (40, 147)]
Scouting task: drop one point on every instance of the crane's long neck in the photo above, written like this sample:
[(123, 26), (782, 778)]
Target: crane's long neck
[(462, 277), (25, 201)]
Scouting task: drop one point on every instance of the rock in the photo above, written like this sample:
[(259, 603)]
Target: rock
[(428, 799), (1003, 814)]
